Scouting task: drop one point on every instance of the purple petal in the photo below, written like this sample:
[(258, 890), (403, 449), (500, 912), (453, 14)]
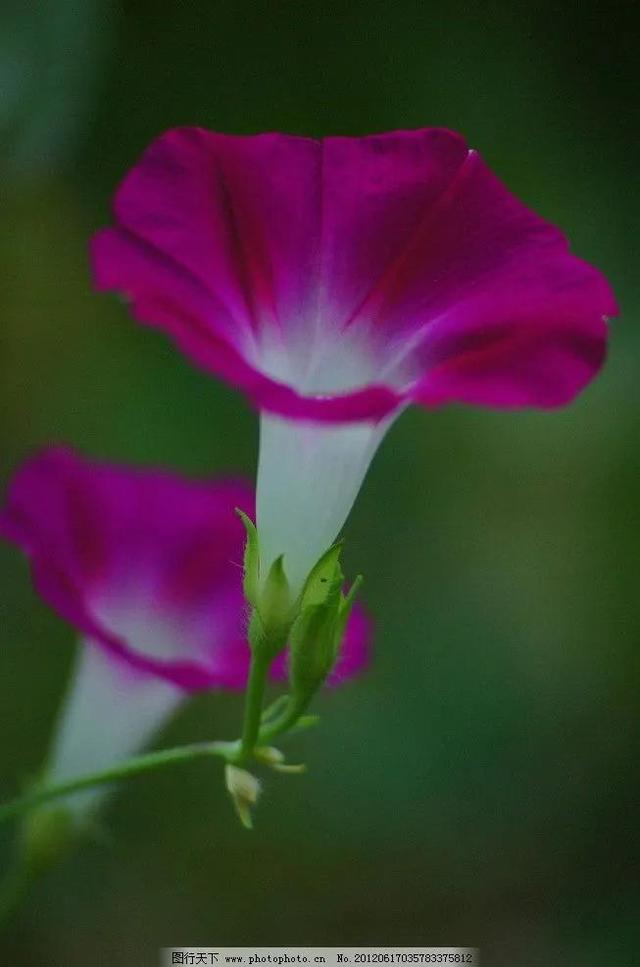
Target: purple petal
[(335, 280), (143, 563)]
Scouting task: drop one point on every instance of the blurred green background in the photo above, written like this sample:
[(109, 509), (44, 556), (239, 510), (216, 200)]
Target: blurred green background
[(479, 785)]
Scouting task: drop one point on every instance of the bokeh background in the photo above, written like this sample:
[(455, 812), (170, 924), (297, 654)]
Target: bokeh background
[(480, 784)]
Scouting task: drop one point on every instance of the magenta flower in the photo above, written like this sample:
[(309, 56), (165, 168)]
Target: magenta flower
[(338, 281), (148, 569)]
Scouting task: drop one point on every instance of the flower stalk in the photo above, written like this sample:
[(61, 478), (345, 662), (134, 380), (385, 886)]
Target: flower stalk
[(253, 705), (127, 769), (314, 624), (290, 717)]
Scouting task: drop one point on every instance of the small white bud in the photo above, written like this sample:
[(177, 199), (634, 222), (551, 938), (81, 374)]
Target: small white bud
[(244, 789)]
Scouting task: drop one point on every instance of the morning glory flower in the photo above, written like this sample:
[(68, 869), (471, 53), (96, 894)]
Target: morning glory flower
[(338, 281), (146, 566)]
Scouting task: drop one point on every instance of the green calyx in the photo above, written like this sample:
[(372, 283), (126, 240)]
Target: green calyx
[(313, 625), (319, 626), (273, 607), (251, 583)]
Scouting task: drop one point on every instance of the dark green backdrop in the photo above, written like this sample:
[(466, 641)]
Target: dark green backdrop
[(479, 785)]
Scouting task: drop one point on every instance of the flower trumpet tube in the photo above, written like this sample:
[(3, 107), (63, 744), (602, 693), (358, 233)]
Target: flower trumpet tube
[(336, 282)]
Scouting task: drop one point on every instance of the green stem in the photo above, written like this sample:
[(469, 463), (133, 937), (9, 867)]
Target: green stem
[(292, 711), (274, 709), (252, 735), (253, 704), (132, 767)]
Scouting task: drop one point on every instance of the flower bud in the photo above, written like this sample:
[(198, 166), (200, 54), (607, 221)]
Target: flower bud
[(244, 790), (313, 647), (319, 627)]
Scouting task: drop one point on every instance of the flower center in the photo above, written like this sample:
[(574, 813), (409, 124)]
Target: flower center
[(321, 364)]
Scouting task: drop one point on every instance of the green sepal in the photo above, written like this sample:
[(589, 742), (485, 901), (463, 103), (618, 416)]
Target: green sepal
[(312, 655), (275, 604), (323, 578), (275, 600), (315, 642), (273, 615), (251, 582), (305, 722), (256, 632), (317, 633), (345, 608), (266, 641)]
